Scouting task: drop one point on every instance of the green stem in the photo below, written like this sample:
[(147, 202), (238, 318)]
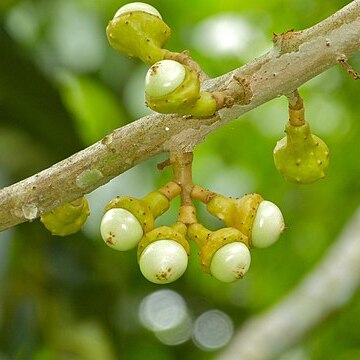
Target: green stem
[(198, 233), (180, 228), (157, 202)]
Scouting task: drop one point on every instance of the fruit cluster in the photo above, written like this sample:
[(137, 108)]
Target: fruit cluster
[(172, 85), (163, 251)]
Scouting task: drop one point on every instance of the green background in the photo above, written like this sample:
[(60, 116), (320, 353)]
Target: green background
[(62, 88)]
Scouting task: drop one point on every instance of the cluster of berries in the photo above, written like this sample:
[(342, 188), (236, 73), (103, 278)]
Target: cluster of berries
[(163, 251), (171, 86)]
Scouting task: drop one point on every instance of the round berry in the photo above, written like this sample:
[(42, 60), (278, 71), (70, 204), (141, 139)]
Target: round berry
[(164, 77), (230, 262), (268, 225), (137, 6), (120, 229), (163, 261)]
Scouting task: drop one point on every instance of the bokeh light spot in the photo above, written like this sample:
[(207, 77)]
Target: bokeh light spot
[(212, 330)]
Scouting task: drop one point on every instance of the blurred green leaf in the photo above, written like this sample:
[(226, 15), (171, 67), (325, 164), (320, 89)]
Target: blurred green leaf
[(94, 108)]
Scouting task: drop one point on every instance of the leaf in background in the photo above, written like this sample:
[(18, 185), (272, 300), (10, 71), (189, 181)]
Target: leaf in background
[(6, 4), (94, 108)]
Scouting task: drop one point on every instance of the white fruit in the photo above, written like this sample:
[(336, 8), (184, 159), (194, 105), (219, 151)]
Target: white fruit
[(230, 262), (137, 6), (164, 77), (268, 225), (120, 229), (163, 261)]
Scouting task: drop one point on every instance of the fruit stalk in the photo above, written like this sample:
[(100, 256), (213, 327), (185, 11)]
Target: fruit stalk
[(159, 201), (201, 194), (182, 168), (296, 109)]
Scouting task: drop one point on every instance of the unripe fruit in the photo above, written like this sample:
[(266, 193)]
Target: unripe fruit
[(126, 218), (300, 156), (261, 221), (230, 262), (164, 77), (68, 218), (162, 253), (138, 208), (137, 30), (171, 87), (163, 261), (268, 225), (210, 242), (120, 229)]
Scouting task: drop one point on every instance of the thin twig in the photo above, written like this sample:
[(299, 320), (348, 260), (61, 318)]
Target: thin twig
[(348, 68), (163, 164)]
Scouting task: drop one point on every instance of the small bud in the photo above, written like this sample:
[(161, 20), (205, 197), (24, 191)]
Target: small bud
[(68, 218), (300, 156)]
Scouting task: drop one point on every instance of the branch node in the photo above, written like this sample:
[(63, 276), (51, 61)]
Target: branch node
[(163, 164), (287, 41), (237, 91), (187, 215)]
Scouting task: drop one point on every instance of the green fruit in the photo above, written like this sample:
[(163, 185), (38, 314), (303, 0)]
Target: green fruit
[(68, 218), (137, 30), (171, 87), (300, 156)]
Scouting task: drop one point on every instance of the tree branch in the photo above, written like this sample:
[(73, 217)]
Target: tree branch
[(324, 290), (295, 58)]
